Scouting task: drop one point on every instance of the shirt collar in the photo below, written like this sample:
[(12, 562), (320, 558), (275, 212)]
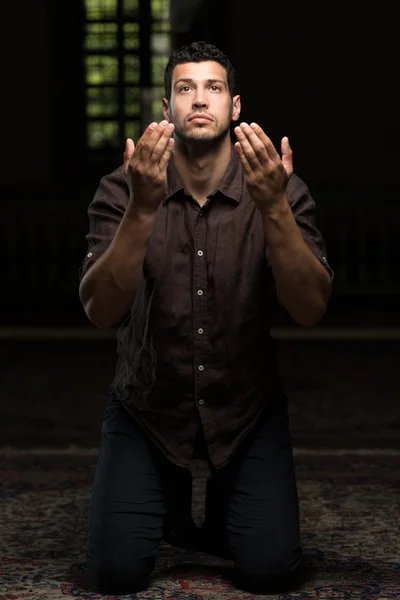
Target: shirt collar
[(231, 184)]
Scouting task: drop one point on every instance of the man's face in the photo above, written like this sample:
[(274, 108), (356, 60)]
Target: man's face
[(201, 107)]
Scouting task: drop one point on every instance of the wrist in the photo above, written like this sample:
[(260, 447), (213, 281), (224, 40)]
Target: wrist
[(140, 215), (275, 209)]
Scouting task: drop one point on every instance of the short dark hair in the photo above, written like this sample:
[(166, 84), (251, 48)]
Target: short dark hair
[(198, 52)]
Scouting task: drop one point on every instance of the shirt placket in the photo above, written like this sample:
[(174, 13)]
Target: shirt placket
[(200, 321)]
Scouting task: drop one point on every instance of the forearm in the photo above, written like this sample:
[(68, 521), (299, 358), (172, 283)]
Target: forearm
[(303, 284), (108, 289)]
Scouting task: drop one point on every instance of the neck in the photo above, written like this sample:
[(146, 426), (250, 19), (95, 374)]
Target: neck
[(201, 166)]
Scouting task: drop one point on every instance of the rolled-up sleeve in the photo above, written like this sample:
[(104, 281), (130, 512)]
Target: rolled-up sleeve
[(105, 213), (304, 212)]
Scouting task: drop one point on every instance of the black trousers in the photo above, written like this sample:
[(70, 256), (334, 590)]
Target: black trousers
[(254, 504)]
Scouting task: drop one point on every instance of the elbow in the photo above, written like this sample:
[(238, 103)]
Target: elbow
[(98, 318), (99, 323), (310, 319), (308, 305), (316, 307), (310, 314)]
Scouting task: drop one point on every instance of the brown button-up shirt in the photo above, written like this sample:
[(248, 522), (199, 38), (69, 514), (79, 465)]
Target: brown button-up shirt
[(196, 350)]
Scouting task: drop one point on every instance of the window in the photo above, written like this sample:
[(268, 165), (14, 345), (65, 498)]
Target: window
[(126, 48)]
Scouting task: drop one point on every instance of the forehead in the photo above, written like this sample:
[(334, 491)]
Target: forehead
[(199, 71)]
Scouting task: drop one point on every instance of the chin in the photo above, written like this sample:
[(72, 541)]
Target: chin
[(201, 135)]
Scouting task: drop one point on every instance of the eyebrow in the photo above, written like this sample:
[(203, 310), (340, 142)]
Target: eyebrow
[(209, 81)]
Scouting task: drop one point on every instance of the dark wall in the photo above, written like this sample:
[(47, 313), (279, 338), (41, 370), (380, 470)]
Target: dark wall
[(24, 123), (323, 74)]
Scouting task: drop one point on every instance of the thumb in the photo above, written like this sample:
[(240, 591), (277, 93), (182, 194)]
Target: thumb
[(287, 156), (129, 150)]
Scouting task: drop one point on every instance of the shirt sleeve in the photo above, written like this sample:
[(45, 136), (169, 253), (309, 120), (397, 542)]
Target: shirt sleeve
[(105, 214), (304, 212)]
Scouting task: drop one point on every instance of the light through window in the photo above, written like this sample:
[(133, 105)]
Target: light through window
[(126, 47)]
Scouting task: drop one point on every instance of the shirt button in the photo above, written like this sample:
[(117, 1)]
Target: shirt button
[(200, 253), (199, 292), (89, 254), (200, 330), (201, 402), (201, 368)]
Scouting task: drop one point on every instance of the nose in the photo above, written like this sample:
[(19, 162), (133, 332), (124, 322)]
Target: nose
[(200, 100)]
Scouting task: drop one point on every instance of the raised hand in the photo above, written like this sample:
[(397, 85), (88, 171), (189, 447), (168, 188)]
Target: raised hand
[(266, 172), (145, 166)]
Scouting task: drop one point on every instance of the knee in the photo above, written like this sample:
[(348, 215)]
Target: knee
[(119, 576), (267, 570)]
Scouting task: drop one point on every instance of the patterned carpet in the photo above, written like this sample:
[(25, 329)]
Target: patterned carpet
[(350, 529)]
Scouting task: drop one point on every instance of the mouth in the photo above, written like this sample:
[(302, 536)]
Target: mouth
[(200, 118)]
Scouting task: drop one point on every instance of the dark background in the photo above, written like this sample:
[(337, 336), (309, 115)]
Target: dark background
[(323, 75)]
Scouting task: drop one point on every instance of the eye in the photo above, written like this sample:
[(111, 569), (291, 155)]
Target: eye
[(215, 88), (184, 88)]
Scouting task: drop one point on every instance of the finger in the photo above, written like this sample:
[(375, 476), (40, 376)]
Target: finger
[(242, 157), (162, 143), (129, 150), (285, 146), (164, 160), (149, 139), (247, 148), (287, 156), (271, 150), (255, 142)]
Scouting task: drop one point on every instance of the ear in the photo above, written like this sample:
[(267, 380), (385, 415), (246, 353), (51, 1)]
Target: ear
[(165, 107), (236, 108)]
